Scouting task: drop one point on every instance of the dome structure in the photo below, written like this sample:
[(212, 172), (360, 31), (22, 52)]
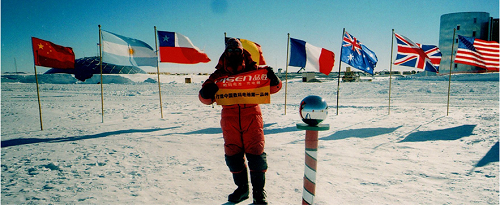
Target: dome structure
[(86, 67)]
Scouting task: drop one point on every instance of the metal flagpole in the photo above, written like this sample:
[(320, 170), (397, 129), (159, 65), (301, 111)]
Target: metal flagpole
[(225, 36), (449, 78), (37, 91), (158, 71), (15, 63), (286, 70), (100, 65), (338, 77), (390, 72), (38, 95)]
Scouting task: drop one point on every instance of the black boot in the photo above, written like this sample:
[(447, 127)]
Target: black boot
[(236, 164), (241, 193), (258, 181), (258, 167)]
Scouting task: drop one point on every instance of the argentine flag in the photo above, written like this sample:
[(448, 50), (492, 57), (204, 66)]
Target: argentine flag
[(121, 50)]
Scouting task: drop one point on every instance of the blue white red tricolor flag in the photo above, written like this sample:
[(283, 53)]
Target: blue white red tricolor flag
[(307, 56), (477, 52), (416, 55), (177, 48), (357, 55), (121, 50)]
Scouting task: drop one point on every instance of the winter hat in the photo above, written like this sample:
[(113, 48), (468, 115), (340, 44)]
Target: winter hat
[(233, 43)]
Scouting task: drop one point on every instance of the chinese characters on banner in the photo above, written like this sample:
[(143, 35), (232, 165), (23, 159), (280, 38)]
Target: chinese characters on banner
[(251, 87)]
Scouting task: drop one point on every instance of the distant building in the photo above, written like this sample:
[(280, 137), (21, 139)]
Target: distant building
[(470, 24)]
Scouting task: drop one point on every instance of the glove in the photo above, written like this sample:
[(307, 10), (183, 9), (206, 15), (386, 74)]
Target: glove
[(208, 91), (271, 76)]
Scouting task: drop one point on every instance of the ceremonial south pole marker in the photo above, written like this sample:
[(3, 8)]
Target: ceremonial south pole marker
[(313, 110), (311, 160)]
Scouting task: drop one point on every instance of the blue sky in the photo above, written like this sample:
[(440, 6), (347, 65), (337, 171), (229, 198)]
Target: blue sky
[(318, 22)]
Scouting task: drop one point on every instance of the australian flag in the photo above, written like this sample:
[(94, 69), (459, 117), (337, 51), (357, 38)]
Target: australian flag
[(357, 55), (416, 55)]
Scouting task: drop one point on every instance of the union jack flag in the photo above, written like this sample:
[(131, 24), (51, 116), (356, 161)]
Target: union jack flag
[(351, 41), (416, 55)]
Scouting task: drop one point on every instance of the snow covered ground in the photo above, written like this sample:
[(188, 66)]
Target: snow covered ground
[(414, 155)]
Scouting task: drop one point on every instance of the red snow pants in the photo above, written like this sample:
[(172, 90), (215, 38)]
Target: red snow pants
[(242, 129)]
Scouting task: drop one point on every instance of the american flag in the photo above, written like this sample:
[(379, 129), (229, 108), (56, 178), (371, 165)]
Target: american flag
[(477, 52), (416, 55)]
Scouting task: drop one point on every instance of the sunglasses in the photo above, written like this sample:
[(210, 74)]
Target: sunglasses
[(235, 50)]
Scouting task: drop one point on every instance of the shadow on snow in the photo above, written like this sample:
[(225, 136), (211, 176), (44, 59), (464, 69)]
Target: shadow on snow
[(280, 130), (23, 141), (453, 133), (491, 156), (218, 130), (210, 130), (356, 133), (360, 133)]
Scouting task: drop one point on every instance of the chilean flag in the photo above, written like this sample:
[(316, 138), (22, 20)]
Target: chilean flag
[(177, 48), (305, 55)]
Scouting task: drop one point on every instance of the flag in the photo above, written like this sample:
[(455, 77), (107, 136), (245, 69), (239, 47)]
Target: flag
[(254, 49), (121, 50), (357, 55), (177, 48), (416, 55), (305, 55), (51, 55), (477, 52)]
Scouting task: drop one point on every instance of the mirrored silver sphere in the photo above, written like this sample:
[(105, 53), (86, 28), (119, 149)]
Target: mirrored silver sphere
[(313, 110)]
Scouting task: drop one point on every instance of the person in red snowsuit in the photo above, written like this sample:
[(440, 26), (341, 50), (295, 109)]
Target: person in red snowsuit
[(242, 124)]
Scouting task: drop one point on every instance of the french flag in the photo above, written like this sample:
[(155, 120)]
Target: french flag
[(305, 55), (177, 48)]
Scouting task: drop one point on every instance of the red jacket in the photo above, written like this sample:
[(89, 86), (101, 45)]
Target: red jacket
[(242, 124), (222, 71)]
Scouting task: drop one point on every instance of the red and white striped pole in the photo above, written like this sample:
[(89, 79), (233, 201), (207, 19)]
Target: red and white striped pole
[(311, 160)]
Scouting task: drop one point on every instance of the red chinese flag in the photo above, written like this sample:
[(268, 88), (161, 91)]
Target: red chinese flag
[(51, 55)]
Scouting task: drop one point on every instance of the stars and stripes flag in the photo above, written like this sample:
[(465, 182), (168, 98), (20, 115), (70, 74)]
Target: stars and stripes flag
[(357, 55), (477, 52), (426, 57)]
